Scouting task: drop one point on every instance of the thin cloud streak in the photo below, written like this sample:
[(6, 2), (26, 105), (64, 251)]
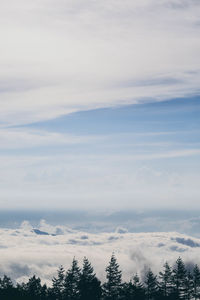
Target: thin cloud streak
[(72, 56)]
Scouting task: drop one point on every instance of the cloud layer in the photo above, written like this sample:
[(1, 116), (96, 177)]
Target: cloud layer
[(25, 251)]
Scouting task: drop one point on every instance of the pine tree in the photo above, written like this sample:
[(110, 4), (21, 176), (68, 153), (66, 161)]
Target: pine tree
[(151, 285), (6, 283), (89, 285), (188, 290), (133, 289), (112, 286), (34, 288), (179, 277), (196, 282), (166, 280), (6, 288), (44, 292), (71, 282), (138, 288), (58, 284), (21, 291)]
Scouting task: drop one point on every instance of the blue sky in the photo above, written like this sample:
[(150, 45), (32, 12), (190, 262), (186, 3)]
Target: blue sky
[(140, 156), (99, 104)]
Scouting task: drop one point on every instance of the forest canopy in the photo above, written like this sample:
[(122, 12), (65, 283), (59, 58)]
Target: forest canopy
[(172, 282)]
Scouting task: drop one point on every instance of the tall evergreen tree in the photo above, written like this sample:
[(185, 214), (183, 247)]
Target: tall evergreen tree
[(127, 291), (6, 283), (21, 291), (138, 288), (133, 290), (189, 284), (44, 292), (165, 283), (71, 282), (179, 279), (58, 284), (112, 286), (7, 289), (34, 288), (196, 282), (89, 285), (151, 285)]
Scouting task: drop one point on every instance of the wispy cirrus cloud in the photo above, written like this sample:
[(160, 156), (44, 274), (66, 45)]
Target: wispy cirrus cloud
[(12, 138), (71, 56), (60, 57)]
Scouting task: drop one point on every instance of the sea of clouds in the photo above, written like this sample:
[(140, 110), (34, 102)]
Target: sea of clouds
[(28, 250)]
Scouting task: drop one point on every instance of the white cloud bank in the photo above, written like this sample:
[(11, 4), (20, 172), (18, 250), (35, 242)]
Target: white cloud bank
[(23, 252), (62, 56)]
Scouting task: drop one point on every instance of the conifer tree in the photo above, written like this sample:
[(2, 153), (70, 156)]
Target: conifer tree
[(6, 282), (6, 288), (58, 284), (71, 282), (179, 277), (188, 290), (44, 292), (151, 285), (127, 291), (138, 288), (166, 280), (89, 285), (112, 286), (196, 282), (34, 288), (21, 291)]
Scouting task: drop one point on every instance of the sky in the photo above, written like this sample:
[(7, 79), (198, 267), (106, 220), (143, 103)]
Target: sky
[(99, 104)]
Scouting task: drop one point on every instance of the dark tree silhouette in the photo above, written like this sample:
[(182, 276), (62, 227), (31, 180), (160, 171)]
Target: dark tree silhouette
[(133, 290), (82, 284), (166, 282), (89, 285), (179, 279), (71, 282), (151, 285), (7, 289), (196, 282), (138, 288), (112, 286), (188, 286), (58, 284), (33, 288)]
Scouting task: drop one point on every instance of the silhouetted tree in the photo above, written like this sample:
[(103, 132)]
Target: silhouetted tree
[(138, 288), (166, 281), (151, 285), (7, 289), (188, 290), (34, 288), (133, 290), (112, 286), (196, 282), (58, 284), (89, 285), (71, 282), (179, 279)]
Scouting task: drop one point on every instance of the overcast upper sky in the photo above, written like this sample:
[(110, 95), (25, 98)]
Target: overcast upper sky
[(99, 104)]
